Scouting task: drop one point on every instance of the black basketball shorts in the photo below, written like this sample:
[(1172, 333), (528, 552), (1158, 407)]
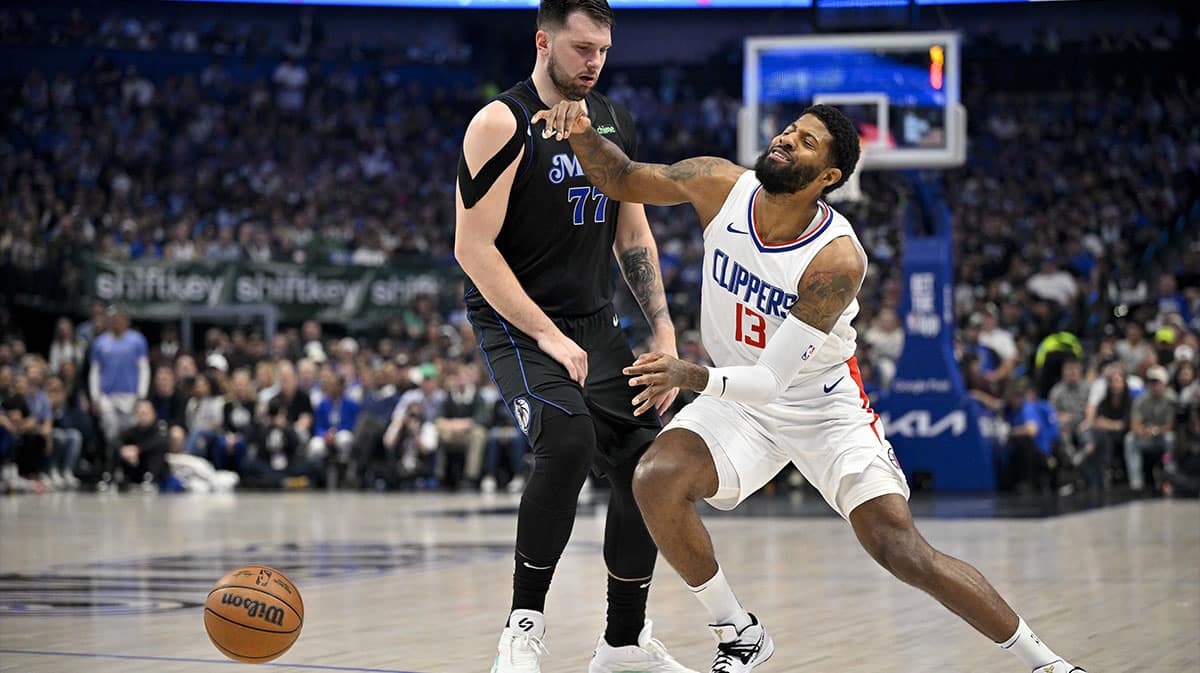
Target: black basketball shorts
[(531, 381)]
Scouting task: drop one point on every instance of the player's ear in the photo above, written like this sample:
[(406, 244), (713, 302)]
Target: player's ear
[(541, 40), (831, 176)]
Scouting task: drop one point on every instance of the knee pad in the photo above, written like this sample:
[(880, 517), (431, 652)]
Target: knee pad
[(563, 455)]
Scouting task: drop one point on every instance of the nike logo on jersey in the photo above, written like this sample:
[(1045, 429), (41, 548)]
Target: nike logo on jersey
[(724, 380), (730, 229), (829, 388)]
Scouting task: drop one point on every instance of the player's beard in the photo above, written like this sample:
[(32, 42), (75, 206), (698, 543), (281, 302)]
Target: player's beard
[(777, 178), (566, 85)]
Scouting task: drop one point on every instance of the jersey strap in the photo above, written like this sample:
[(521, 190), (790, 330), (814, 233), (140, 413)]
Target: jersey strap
[(473, 189)]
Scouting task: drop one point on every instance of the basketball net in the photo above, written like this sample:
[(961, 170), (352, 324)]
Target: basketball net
[(850, 191)]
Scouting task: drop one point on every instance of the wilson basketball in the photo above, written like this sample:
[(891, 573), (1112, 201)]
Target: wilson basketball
[(253, 614)]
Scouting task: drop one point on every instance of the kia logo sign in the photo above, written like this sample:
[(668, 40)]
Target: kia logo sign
[(920, 423)]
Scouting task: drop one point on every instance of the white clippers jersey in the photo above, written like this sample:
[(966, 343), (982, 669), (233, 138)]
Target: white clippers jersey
[(749, 286)]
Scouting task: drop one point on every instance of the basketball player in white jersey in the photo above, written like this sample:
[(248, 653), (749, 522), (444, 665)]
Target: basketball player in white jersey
[(781, 273)]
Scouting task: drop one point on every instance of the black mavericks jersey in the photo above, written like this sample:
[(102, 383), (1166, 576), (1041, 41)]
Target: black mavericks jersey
[(558, 232)]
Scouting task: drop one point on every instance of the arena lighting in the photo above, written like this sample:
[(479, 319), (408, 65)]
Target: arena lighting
[(632, 4), (532, 4), (937, 59)]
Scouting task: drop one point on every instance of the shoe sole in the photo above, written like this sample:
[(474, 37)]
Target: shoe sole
[(770, 652)]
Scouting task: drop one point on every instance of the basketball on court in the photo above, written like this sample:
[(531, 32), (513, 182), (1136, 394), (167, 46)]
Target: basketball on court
[(253, 614)]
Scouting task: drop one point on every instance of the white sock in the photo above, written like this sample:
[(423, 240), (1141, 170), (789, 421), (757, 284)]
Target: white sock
[(1028, 647), (722, 605), (528, 621)]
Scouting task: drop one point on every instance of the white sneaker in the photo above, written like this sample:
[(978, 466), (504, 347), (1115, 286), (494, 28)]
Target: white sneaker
[(516, 484), (648, 656), (1058, 666), (521, 649), (487, 485), (740, 651)]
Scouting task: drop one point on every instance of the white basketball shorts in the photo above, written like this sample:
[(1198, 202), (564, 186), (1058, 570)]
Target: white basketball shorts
[(824, 426)]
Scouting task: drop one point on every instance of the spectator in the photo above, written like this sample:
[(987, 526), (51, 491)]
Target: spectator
[(1053, 284), (13, 412), (41, 413), (1106, 423), (68, 433), (242, 432), (94, 326), (65, 346), (281, 462), (378, 403), (503, 439), (413, 441), (1134, 350), (204, 414), (885, 336), (428, 394), (120, 374), (1068, 397), (31, 435), (333, 425), (291, 406), (1030, 439), (143, 449), (170, 404), (1000, 341), (264, 380), (460, 427), (1152, 431)]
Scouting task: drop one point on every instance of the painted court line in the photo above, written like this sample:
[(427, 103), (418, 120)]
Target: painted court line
[(310, 667)]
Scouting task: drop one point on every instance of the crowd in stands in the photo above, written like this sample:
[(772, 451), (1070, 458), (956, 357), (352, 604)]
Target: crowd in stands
[(1075, 220)]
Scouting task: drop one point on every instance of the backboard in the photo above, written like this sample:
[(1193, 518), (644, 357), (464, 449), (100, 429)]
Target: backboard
[(900, 89)]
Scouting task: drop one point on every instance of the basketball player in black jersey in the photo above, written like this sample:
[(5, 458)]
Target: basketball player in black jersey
[(535, 238)]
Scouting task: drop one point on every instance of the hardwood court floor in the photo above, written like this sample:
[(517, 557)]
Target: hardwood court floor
[(420, 584)]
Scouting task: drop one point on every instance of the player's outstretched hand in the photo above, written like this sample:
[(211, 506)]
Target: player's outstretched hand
[(565, 118), (660, 374), (566, 353)]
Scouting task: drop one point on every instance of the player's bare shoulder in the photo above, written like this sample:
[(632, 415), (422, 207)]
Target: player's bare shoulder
[(489, 130)]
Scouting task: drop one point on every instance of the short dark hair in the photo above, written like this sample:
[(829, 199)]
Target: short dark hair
[(552, 14), (844, 151)]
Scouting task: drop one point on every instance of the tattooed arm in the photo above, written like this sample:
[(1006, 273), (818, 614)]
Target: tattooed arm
[(637, 254), (830, 283), (703, 182), (827, 287)]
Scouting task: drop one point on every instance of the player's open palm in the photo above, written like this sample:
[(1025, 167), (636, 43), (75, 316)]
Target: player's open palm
[(660, 374), (565, 118), (567, 353)]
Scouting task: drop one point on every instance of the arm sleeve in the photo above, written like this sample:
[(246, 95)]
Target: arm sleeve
[(143, 365), (94, 381), (789, 350)]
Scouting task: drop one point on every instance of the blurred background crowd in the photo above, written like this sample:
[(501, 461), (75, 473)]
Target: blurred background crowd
[(307, 137)]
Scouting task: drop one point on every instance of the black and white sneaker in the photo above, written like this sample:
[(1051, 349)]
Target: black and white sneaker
[(741, 651)]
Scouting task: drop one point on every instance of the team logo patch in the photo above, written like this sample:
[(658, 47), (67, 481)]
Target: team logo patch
[(522, 412), (892, 457), (808, 353)]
